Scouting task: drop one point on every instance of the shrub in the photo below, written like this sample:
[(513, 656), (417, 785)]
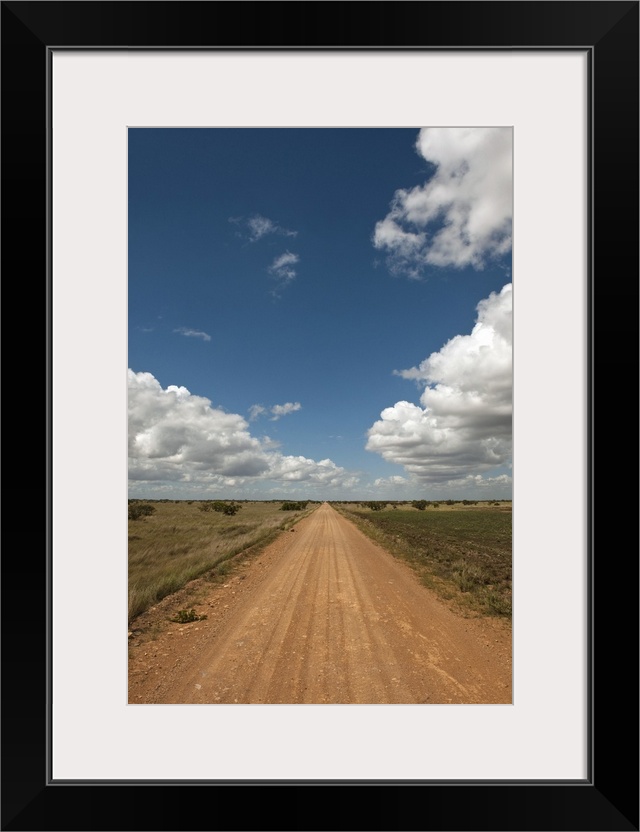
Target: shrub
[(498, 604), (220, 506), (420, 504), (467, 576), (187, 616), (138, 510), (294, 506)]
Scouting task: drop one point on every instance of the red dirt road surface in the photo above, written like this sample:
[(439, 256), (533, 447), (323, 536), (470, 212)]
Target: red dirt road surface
[(324, 615)]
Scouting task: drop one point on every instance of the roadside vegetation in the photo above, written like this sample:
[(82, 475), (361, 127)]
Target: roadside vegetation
[(178, 541), (460, 549)]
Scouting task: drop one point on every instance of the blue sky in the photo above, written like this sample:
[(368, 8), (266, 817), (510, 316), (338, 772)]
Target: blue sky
[(320, 313)]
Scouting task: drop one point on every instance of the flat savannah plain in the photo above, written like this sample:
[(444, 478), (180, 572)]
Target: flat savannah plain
[(330, 604)]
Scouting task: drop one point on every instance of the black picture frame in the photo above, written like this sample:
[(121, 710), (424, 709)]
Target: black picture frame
[(608, 798)]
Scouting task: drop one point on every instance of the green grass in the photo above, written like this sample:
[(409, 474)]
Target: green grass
[(463, 553), (179, 543)]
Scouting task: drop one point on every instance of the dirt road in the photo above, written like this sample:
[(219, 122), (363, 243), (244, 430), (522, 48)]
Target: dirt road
[(324, 615)]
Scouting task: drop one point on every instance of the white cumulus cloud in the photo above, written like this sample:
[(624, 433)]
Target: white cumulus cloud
[(463, 425), (383, 482), (462, 216), (301, 469), (178, 437)]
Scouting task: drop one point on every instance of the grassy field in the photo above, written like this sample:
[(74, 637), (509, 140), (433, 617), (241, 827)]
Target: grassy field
[(462, 552), (178, 542)]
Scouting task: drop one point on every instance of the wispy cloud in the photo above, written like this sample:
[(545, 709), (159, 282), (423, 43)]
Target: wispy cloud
[(276, 411), (192, 333), (258, 227), (279, 410), (282, 267), (256, 410)]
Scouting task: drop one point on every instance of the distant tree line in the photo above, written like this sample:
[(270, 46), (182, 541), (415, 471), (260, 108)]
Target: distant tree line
[(420, 505), (189, 501)]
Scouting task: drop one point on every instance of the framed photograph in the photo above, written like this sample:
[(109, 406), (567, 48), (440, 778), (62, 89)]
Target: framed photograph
[(562, 80)]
